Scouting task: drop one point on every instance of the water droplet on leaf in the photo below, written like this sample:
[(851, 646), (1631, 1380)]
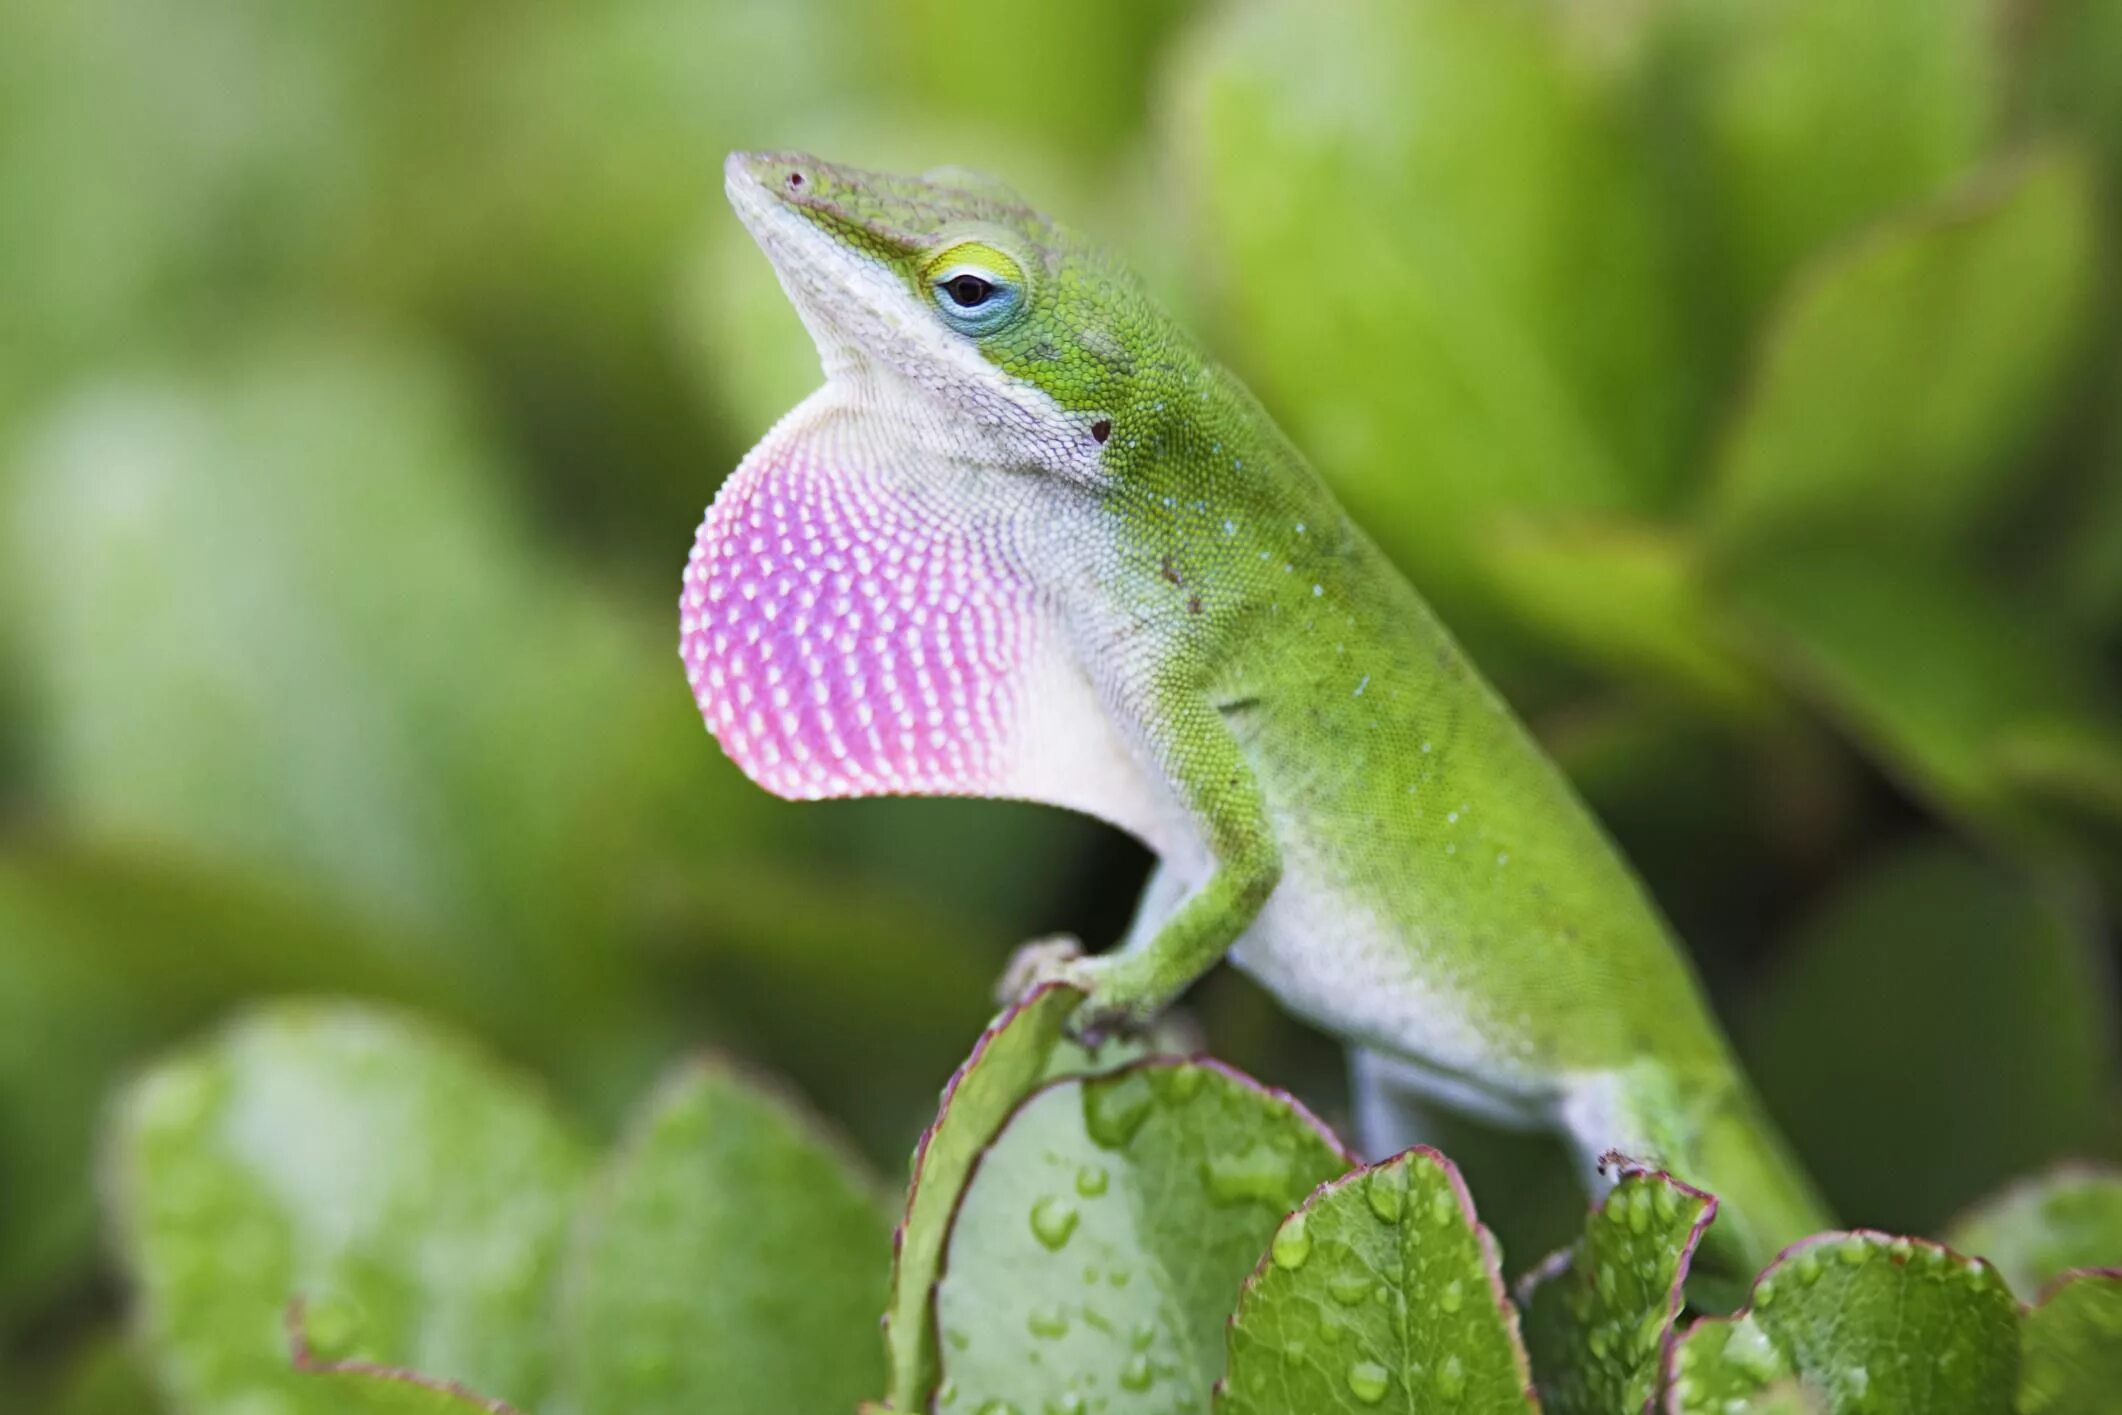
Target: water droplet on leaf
[(1349, 1288), (1292, 1243), (1368, 1381), (1114, 1107), (1053, 1220), (1048, 1321), (1260, 1174), (1387, 1191)]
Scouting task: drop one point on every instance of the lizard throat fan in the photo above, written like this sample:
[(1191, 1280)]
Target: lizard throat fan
[(857, 617), (839, 643)]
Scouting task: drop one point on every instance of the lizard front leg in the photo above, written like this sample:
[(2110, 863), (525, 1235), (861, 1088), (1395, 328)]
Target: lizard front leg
[(1179, 934)]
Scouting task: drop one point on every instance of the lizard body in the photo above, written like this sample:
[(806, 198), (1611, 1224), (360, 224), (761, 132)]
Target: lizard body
[(1030, 541)]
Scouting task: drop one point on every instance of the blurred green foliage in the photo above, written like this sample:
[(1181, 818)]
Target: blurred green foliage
[(1740, 377)]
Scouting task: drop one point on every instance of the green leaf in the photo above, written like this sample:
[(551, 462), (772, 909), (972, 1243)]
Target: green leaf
[(1381, 1293), (2072, 1361), (1805, 120), (1959, 980), (1026, 1045), (413, 1196), (365, 1388), (1104, 1236), (1599, 1315), (733, 1257), (1934, 675), (104, 957), (1734, 1368), (1903, 374), (1506, 336), (2039, 1229), (1863, 1321), (1626, 597)]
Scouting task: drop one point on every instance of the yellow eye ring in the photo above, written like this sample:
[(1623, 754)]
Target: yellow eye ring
[(980, 257), (976, 288)]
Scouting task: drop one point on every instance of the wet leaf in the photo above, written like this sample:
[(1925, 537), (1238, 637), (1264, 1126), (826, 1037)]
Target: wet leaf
[(732, 1257), (414, 1198), (1598, 1316), (1026, 1045), (1860, 1320), (1105, 1233), (1381, 1293)]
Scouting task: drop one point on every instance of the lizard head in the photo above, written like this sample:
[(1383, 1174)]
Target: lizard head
[(871, 603), (968, 302)]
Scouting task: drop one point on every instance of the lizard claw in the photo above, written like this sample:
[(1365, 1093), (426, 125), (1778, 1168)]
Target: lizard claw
[(1054, 959), (1108, 1010)]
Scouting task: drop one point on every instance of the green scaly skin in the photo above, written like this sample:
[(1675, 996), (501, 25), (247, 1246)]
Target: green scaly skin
[(1180, 631)]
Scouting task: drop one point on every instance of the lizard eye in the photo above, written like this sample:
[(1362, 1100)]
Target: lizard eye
[(976, 289), (968, 291)]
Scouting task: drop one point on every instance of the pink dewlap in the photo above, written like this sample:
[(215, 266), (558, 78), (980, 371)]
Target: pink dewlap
[(841, 645)]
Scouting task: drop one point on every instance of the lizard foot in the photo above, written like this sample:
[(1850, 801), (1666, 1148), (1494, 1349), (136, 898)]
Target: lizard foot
[(1110, 1006), (1054, 959)]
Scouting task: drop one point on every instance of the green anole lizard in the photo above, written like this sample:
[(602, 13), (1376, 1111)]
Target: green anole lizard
[(1029, 541)]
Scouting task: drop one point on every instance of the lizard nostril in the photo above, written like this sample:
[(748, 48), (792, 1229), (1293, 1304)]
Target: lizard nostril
[(795, 181), (1102, 429)]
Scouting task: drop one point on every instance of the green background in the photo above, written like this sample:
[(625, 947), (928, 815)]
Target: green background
[(1740, 377)]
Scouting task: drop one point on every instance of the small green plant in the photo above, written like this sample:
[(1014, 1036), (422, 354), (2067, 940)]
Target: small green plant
[(335, 1208)]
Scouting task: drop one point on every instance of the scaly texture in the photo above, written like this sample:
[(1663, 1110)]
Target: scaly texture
[(1029, 541)]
